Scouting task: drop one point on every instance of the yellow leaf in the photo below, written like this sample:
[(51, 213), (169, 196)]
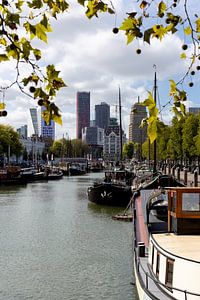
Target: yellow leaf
[(197, 25), (188, 30), (183, 56), (173, 89), (2, 106), (57, 119), (152, 131), (46, 116), (159, 31)]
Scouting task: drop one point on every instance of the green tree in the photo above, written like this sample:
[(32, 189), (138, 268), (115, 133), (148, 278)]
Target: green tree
[(155, 20), (190, 130), (9, 141), (128, 150), (69, 148), (197, 139), (162, 140), (175, 148)]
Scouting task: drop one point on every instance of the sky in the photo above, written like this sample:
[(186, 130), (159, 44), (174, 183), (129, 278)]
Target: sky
[(91, 58)]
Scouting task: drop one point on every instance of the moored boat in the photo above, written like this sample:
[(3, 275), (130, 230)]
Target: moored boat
[(166, 251), (76, 169), (114, 190)]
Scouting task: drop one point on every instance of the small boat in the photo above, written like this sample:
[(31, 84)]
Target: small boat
[(10, 175), (166, 246), (114, 190), (53, 173), (76, 169)]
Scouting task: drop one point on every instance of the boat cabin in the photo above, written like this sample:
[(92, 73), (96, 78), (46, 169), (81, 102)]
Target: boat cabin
[(184, 210)]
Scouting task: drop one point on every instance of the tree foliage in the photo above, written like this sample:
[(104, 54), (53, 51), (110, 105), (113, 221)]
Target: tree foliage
[(9, 141), (190, 129), (128, 150), (155, 20), (64, 148), (22, 22)]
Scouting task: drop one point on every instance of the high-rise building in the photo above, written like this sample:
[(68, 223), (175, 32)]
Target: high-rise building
[(82, 112), (136, 133), (47, 130), (23, 132), (93, 135), (194, 110), (34, 118), (102, 115)]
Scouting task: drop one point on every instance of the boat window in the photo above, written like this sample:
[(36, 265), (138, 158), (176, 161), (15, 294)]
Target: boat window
[(158, 264), (169, 272), (173, 201), (190, 202)]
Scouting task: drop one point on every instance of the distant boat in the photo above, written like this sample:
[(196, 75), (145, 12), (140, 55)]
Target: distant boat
[(76, 169), (53, 173), (10, 175)]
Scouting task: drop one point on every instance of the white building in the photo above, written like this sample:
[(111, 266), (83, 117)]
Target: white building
[(112, 143)]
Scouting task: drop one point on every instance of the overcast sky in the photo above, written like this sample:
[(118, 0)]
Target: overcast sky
[(92, 58)]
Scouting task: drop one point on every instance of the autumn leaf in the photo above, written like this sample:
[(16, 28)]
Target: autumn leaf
[(143, 4), (2, 106), (187, 30)]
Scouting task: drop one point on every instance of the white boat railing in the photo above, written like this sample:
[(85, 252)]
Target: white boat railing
[(147, 278)]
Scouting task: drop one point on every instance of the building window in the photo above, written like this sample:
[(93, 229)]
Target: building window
[(169, 272), (158, 264)]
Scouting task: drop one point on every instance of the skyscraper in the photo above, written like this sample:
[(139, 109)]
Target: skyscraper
[(47, 130), (137, 134), (82, 112), (102, 115), (34, 118), (23, 131)]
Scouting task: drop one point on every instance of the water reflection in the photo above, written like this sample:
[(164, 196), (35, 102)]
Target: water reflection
[(57, 245)]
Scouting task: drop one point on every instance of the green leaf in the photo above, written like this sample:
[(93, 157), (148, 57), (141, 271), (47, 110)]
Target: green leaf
[(37, 54), (40, 32), (183, 109), (127, 24), (82, 2), (147, 35)]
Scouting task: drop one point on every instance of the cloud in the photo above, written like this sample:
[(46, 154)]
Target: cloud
[(91, 58)]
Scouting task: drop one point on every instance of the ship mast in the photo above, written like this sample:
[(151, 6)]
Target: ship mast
[(155, 143), (120, 124)]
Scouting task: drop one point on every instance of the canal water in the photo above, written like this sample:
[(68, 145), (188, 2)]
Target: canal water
[(54, 244)]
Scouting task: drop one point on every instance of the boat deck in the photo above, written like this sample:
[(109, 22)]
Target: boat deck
[(187, 245), (142, 235)]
